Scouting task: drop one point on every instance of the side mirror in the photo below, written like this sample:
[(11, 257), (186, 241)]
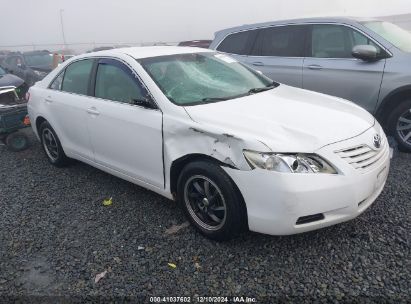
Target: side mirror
[(146, 102), (365, 52)]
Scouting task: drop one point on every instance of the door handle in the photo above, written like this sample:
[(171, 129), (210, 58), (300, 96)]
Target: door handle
[(48, 99), (258, 63), (93, 111), (315, 67)]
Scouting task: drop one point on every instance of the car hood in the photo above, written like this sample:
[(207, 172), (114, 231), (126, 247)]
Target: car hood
[(286, 119), (10, 80)]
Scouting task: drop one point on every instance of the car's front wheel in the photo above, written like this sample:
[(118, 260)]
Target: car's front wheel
[(399, 124), (52, 146), (211, 201)]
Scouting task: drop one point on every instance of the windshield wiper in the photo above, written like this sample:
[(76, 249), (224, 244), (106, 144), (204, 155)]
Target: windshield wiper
[(211, 99), (266, 88)]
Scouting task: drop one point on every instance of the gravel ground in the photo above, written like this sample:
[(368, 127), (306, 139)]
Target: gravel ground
[(56, 236)]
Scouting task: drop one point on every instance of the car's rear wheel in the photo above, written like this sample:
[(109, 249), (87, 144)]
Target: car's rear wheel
[(211, 201), (399, 123), (52, 146)]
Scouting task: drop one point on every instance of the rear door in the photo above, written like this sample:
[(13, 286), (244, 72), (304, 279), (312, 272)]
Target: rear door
[(67, 101), (126, 136), (278, 53), (330, 68)]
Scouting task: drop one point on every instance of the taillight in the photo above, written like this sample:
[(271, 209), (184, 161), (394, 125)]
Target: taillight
[(26, 120)]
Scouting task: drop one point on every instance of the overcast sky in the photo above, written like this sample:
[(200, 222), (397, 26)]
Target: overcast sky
[(135, 21)]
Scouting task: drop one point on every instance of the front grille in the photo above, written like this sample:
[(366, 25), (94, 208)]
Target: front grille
[(363, 157)]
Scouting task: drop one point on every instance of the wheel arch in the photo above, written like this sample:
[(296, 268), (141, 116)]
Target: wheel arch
[(390, 101), (39, 121), (178, 165)]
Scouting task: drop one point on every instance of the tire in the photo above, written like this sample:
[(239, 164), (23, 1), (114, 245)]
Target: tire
[(52, 146), (17, 142), (216, 210), (399, 125)]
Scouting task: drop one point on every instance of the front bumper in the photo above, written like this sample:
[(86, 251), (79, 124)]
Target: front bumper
[(277, 201)]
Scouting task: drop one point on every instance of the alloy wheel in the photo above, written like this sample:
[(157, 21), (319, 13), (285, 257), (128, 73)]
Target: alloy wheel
[(50, 144), (205, 202), (404, 127)]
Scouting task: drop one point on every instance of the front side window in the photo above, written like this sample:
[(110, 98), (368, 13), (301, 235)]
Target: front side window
[(115, 81), (337, 41), (188, 79), (392, 33), (284, 41), (236, 43), (2, 72), (77, 77)]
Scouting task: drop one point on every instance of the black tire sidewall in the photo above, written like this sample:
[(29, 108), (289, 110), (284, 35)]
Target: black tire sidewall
[(392, 124), (62, 159), (235, 215)]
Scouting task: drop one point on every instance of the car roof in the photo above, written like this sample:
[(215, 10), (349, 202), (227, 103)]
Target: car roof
[(297, 21), (36, 52), (150, 51)]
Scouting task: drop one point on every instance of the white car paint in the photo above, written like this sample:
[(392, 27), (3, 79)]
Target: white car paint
[(276, 116), (140, 144)]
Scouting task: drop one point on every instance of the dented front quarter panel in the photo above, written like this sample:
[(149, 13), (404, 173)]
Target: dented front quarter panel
[(182, 136)]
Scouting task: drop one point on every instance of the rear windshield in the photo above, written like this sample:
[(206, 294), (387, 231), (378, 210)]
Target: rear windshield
[(39, 60)]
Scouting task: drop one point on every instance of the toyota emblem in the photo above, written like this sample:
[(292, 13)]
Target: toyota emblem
[(377, 141)]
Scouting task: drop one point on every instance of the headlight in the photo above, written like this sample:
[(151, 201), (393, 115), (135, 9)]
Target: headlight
[(294, 163)]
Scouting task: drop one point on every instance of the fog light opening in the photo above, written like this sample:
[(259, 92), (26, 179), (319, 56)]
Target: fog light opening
[(310, 218)]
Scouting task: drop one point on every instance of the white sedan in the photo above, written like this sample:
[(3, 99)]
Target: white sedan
[(238, 150)]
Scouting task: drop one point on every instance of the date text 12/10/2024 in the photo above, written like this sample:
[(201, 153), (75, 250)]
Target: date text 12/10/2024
[(199, 299)]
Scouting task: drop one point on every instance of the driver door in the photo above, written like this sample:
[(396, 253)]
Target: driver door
[(126, 137)]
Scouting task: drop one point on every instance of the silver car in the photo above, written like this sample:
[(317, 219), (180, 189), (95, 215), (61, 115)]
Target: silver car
[(365, 61)]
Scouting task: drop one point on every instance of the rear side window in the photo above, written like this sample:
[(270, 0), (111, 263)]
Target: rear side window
[(283, 41), (77, 77), (236, 43)]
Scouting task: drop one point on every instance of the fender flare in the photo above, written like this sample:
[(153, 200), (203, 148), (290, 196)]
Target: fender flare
[(387, 102)]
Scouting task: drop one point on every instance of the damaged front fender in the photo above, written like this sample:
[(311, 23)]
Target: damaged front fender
[(184, 137)]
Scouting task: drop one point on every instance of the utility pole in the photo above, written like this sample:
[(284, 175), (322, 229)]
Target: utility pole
[(62, 28)]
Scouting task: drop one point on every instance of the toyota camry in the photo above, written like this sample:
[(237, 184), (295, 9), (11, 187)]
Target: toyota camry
[(236, 149)]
